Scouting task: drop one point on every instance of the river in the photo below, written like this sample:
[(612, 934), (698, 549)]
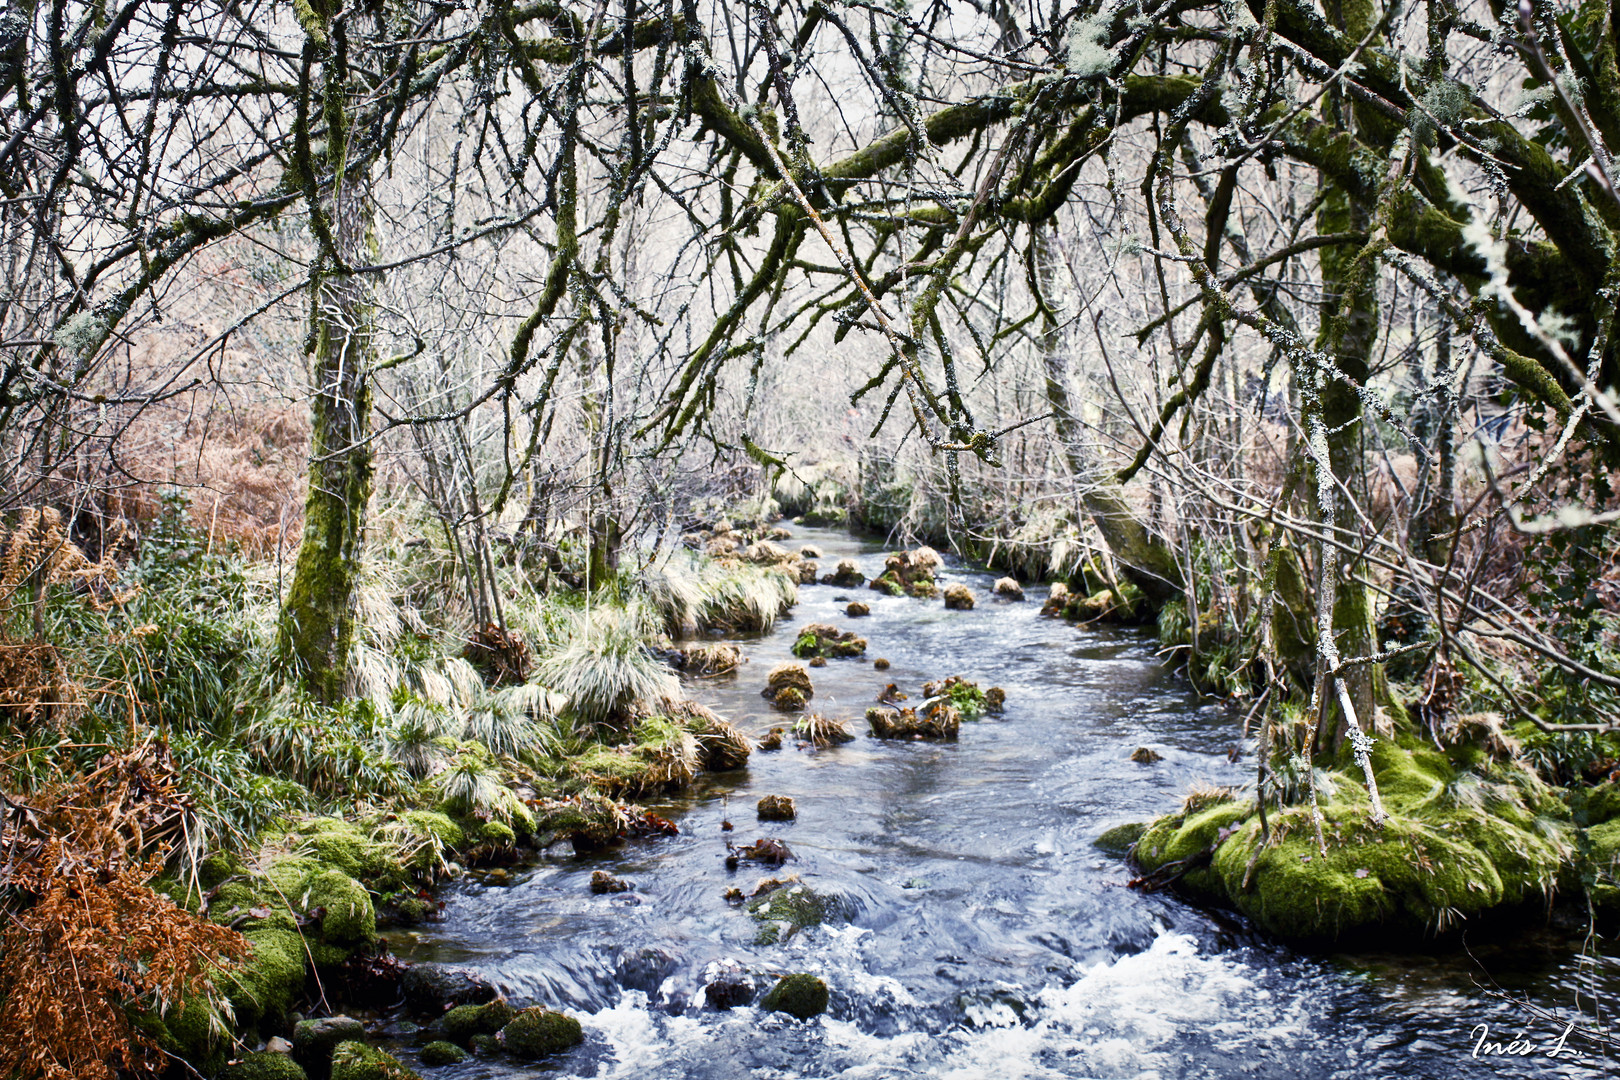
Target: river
[(988, 937)]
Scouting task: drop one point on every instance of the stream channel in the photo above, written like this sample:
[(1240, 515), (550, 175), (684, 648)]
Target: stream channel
[(988, 937)]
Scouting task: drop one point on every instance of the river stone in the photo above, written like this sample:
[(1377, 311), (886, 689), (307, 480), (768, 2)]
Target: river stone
[(800, 995), (644, 968), (535, 1032), (313, 1041), (729, 990), (436, 1054), (432, 988), (357, 1061)]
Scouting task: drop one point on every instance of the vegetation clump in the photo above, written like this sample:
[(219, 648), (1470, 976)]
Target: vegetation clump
[(939, 721), (958, 598), (776, 808), (357, 1061), (822, 640), (822, 731), (964, 696), (788, 687), (910, 573), (845, 576)]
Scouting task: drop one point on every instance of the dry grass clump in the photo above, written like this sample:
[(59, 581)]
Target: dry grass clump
[(38, 553), (87, 944)]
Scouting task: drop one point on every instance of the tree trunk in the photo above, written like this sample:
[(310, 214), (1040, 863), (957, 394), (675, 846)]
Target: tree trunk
[(316, 632), (1147, 560)]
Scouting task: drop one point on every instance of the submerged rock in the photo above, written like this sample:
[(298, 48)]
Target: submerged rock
[(772, 739), (1008, 589), (767, 851), (430, 989), (801, 996), (604, 882), (1146, 755), (809, 551), (808, 572), (783, 912), (776, 808), (856, 609), (818, 661), (880, 664), (644, 968), (1055, 599), (959, 598)]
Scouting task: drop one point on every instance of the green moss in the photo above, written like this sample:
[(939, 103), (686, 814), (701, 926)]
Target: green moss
[(1600, 803), (784, 912), (536, 1032), (287, 877), (216, 868), (496, 834), (800, 995), (1453, 847), (465, 1021), (1118, 840), (437, 825), (269, 981), (357, 1061), (437, 1054), (262, 1065), (350, 918)]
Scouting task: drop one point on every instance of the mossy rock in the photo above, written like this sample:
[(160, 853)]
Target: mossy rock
[(438, 836), (461, 1023), (262, 1065), (1600, 804), (801, 996), (783, 912), (350, 918), (536, 1032), (1454, 847), (264, 988), (191, 1031), (357, 1061), (1118, 840), (438, 1054), (496, 834), (1603, 853)]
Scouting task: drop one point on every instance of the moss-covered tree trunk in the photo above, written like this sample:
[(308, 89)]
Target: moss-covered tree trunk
[(1349, 331), (316, 631), (1146, 559)]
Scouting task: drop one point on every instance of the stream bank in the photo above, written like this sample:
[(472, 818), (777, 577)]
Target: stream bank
[(978, 931)]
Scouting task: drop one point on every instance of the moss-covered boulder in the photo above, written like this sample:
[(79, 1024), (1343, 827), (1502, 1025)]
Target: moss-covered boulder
[(461, 1023), (269, 981), (801, 996), (315, 1040), (347, 915), (1455, 846), (262, 1065), (536, 1032), (660, 756), (439, 1054), (357, 1061), (1118, 840)]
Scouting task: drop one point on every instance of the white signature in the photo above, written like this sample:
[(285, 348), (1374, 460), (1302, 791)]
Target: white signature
[(1520, 1047)]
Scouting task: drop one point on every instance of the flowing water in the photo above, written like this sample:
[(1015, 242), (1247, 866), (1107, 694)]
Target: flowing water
[(988, 937)]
